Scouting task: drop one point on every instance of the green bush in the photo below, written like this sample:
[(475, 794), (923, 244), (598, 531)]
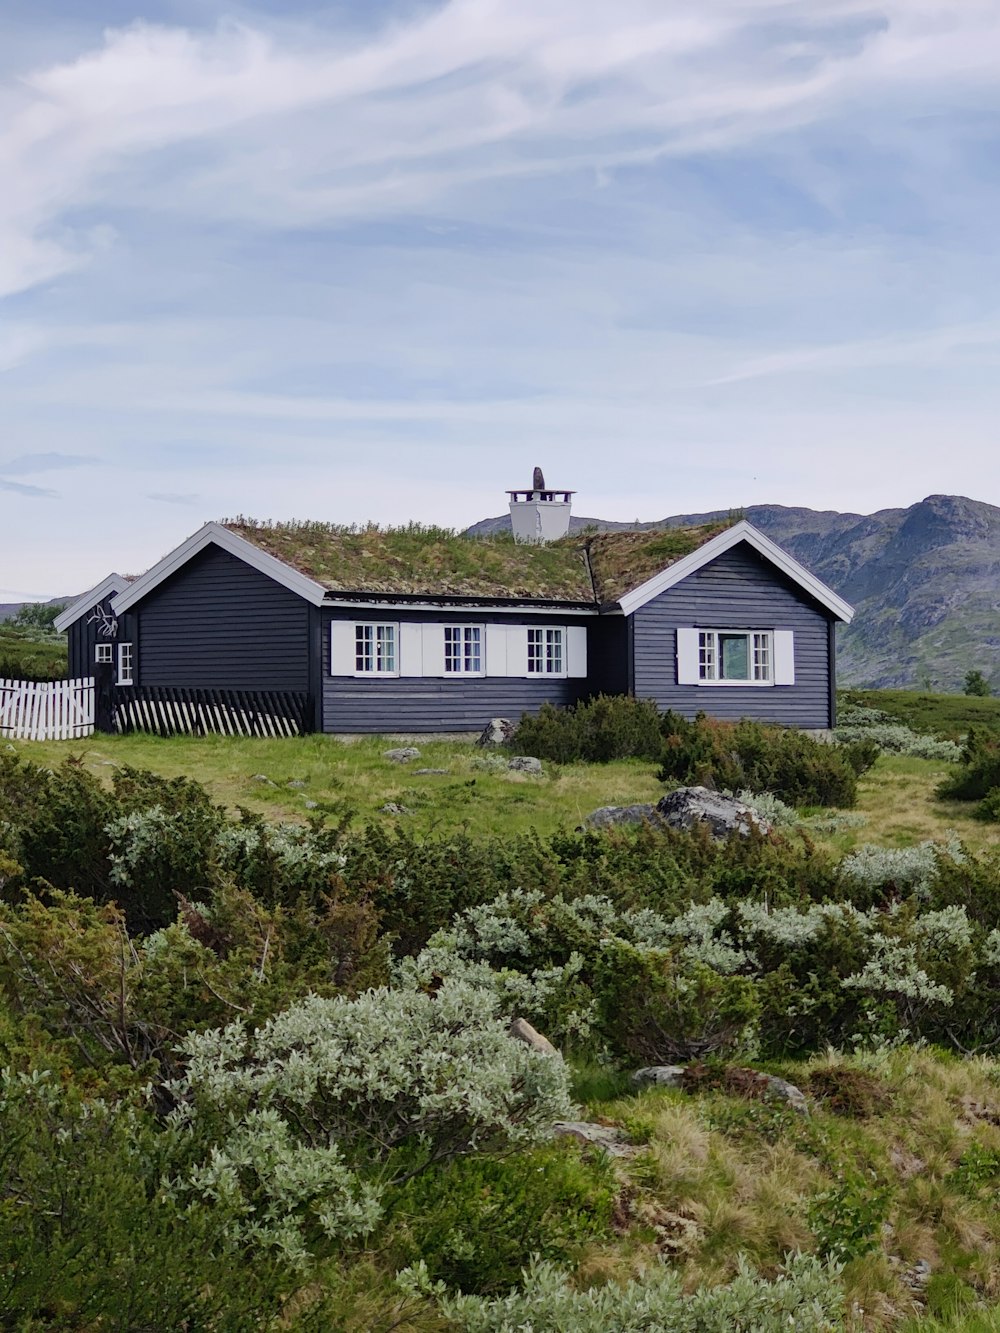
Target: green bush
[(610, 726), (978, 777), (477, 1224), (731, 756)]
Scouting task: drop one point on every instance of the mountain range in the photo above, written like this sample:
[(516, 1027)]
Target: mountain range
[(925, 582)]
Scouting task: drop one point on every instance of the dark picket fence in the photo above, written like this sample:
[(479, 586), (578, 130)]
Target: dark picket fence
[(177, 711)]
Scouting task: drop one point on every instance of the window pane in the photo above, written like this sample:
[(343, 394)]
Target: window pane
[(734, 652), (535, 642), (706, 655)]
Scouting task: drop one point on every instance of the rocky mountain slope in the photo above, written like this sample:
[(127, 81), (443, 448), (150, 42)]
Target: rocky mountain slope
[(925, 582)]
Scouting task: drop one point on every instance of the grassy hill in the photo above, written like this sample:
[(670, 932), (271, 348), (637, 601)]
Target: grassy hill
[(276, 1079)]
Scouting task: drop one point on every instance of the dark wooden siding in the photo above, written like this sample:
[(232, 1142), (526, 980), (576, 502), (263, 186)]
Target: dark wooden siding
[(366, 705), (217, 623), (739, 590), (82, 640)]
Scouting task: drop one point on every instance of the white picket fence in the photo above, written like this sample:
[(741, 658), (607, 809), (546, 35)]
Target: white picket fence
[(52, 710)]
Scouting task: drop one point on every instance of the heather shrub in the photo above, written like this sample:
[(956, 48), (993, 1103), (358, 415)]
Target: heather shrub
[(979, 771), (796, 768), (609, 726), (88, 1236), (856, 723), (476, 1225), (657, 1007)]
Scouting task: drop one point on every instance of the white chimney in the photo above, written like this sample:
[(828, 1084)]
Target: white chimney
[(539, 514)]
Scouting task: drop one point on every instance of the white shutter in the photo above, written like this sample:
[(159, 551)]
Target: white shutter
[(411, 650), (433, 649), (576, 650), (687, 657), (517, 650), (342, 659), (784, 657), (496, 650)]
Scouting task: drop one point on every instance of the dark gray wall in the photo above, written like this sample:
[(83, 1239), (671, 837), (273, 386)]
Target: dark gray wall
[(82, 639), (354, 704), (219, 624), (738, 590)]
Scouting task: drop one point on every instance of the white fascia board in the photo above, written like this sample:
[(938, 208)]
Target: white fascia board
[(114, 583), (214, 534), (739, 532), (553, 610)]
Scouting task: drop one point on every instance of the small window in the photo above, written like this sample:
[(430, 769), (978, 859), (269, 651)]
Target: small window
[(103, 652), (375, 650), (735, 656), (124, 664), (546, 655), (463, 650)]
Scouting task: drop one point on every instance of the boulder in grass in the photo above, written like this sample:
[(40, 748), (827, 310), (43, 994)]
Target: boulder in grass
[(497, 731), (608, 1138), (524, 763), (659, 1076), (724, 815), (402, 755), (610, 816)]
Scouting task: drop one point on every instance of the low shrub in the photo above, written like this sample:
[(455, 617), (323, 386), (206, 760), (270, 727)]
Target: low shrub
[(796, 768), (850, 1092), (978, 777), (807, 1296), (610, 726), (476, 1225)]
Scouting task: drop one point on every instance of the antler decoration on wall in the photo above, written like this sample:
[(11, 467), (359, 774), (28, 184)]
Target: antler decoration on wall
[(107, 624)]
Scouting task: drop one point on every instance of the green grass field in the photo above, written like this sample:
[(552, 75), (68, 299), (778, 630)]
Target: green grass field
[(475, 792), (31, 654), (948, 715)]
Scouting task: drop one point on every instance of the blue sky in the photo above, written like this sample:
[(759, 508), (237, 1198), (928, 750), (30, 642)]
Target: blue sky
[(354, 261)]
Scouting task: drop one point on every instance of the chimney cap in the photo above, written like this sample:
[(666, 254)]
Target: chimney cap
[(548, 494)]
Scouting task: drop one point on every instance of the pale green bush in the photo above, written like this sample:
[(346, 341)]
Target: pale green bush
[(807, 1297), (297, 1127)]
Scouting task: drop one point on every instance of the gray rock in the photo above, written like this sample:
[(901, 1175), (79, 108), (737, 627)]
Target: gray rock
[(402, 754), (522, 1030), (606, 1137), (310, 805), (296, 783), (672, 1076), (497, 731), (429, 772), (610, 815), (659, 1076), (787, 1092), (724, 815), (262, 777), (394, 808), (524, 763)]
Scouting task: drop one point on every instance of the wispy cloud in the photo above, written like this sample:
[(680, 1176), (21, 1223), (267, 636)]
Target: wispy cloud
[(20, 488), (173, 497), (380, 260), (28, 464)]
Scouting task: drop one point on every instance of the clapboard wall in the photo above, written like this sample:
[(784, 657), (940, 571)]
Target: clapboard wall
[(738, 590), (218, 623), (83, 637), (367, 704)]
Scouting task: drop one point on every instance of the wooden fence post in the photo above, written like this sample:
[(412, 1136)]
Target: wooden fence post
[(104, 696)]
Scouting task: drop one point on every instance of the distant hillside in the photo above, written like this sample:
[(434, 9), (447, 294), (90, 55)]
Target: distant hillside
[(925, 582), (10, 609)]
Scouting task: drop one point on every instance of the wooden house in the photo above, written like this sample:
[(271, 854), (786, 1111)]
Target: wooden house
[(419, 630)]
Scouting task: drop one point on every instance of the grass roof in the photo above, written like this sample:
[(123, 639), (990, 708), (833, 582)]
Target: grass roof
[(621, 561), (439, 562)]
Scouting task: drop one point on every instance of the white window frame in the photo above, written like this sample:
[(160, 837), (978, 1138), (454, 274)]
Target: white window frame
[(126, 664), (381, 630), (760, 658), (104, 652), (455, 663), (543, 661)]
